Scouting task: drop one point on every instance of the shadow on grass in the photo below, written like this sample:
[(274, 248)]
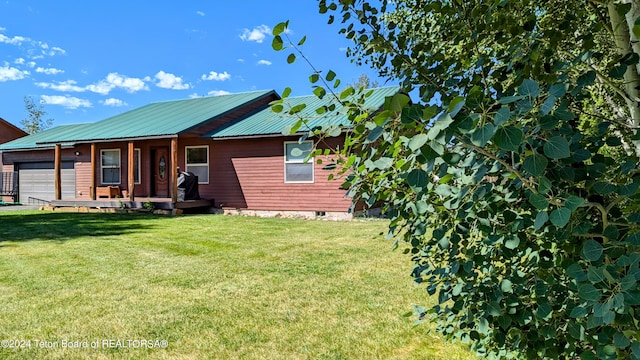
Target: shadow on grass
[(67, 226)]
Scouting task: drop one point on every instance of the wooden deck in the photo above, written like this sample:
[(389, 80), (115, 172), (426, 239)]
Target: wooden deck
[(138, 203)]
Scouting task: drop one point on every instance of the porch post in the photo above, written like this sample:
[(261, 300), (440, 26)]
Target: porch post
[(57, 183), (131, 171), (173, 180), (92, 191)]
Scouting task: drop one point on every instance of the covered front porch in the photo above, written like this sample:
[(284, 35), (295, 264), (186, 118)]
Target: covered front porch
[(96, 191), (135, 203)]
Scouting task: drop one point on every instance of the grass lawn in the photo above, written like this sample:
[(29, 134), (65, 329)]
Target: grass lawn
[(212, 287)]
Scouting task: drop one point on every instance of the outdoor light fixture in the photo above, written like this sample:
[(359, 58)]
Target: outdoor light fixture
[(77, 153)]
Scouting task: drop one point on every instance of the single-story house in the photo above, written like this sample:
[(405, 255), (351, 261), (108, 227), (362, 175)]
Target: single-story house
[(233, 143)]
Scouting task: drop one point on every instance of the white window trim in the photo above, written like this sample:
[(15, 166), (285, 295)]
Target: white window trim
[(186, 164), (102, 167), (311, 161), (138, 153)]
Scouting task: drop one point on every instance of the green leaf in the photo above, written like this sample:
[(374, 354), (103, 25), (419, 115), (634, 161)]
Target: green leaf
[(636, 27), (330, 75), (592, 250), (611, 232), (483, 326), (346, 92), (277, 44), (509, 99), (279, 28), (383, 163), (617, 72), (422, 207), (286, 92), (586, 79), (512, 242), (417, 179), (603, 188), (291, 58), (296, 109), (535, 164), (374, 134), (417, 141), (398, 102), (578, 312), (529, 88), (557, 147), (620, 340), (544, 185), (547, 105), (629, 189), (560, 217), (481, 136), (558, 90), (538, 201), (456, 104), (588, 292), (320, 92), (573, 202), (541, 219), (506, 286), (442, 122), (313, 78), (508, 138), (301, 42), (502, 116)]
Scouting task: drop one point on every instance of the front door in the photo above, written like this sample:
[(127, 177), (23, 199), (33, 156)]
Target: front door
[(161, 168)]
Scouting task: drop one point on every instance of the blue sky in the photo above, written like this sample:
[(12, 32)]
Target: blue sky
[(89, 60)]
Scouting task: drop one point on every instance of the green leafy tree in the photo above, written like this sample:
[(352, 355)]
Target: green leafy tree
[(35, 121), (512, 175)]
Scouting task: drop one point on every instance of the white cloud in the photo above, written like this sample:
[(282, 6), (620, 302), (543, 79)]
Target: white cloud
[(200, 13), (31, 64), (113, 102), (115, 80), (19, 61), (218, 92), (68, 102), (258, 34), (49, 71), (67, 86), (240, 60), (35, 49), (170, 81), (216, 76), (264, 62), (16, 40), (8, 73), (103, 87)]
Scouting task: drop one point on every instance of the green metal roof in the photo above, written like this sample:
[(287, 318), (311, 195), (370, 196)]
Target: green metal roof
[(267, 122), (159, 119), (42, 139)]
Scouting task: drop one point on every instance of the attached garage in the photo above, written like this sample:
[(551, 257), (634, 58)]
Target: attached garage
[(36, 181)]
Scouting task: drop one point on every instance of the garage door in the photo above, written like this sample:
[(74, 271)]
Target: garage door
[(36, 181)]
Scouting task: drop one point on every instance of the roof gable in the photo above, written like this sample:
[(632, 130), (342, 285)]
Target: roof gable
[(267, 122)]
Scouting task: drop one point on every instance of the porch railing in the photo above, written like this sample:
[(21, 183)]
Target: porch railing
[(9, 184)]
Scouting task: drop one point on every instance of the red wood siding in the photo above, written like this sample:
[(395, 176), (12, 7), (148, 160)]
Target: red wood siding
[(9, 132), (249, 174)]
